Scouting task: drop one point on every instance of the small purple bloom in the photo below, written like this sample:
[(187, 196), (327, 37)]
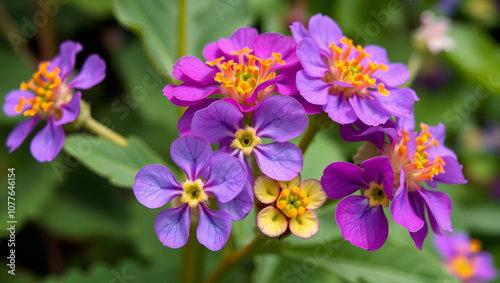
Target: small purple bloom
[(280, 118), (51, 95), (464, 258), (361, 217), (224, 177), (350, 82)]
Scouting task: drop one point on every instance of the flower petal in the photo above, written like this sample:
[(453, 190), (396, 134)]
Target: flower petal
[(401, 209), (362, 225), (92, 73), (311, 59), (325, 31), (268, 43), (305, 225), (485, 269), (213, 229), (12, 101), (192, 91), (48, 142), (226, 178), (418, 206), (212, 52), (190, 68), (243, 37), (65, 60), (448, 243), (155, 185), (167, 91), (239, 207), (271, 222), (396, 74), (289, 184), (217, 122), (298, 31), (20, 132), (315, 193), (191, 154), (266, 189), (341, 179), (399, 102), (369, 111), (452, 172), (439, 205), (184, 124), (281, 123), (313, 90), (172, 226), (281, 161), (70, 110), (379, 170), (309, 107), (339, 109)]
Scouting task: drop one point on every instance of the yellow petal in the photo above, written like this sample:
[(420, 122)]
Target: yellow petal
[(288, 184), (315, 193), (266, 189), (271, 221), (305, 225)]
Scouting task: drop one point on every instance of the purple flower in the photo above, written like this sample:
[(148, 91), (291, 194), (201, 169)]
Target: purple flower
[(464, 259), (361, 217), (245, 69), (224, 177), (415, 159), (50, 95), (350, 82), (280, 118)]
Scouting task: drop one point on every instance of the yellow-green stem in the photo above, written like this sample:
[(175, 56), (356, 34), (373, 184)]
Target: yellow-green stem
[(99, 129), (316, 123), (193, 254), (182, 38)]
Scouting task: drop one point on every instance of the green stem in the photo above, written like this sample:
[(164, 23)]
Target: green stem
[(182, 38), (231, 259), (192, 257), (99, 129), (316, 123)]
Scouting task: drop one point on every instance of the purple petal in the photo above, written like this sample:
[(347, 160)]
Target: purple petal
[(268, 43), (155, 185), (167, 91), (363, 226), (217, 122), (452, 172), (184, 124), (66, 58), (396, 75), (339, 109), (92, 73), (406, 123), (239, 207), (172, 226), (341, 179), (369, 111), (398, 103), (280, 161), (342, 84), (379, 170), (375, 135), (212, 52), (298, 31), (447, 244), (190, 68), (214, 228), (243, 37), (485, 269), (377, 53), (282, 123), (419, 207), (314, 90), (285, 81), (325, 31), (309, 107), (311, 59), (438, 132), (191, 154), (20, 132), (48, 142), (192, 91), (226, 178), (70, 110), (12, 101), (402, 210), (439, 205)]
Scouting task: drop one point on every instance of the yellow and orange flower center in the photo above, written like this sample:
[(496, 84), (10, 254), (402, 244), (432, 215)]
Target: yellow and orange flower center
[(376, 195), (246, 140), (293, 202), (462, 266), (43, 84), (345, 67), (240, 79), (193, 193), (421, 169)]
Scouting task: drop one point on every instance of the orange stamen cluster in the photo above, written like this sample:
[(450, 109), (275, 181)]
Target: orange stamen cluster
[(240, 79), (344, 70), (42, 84), (293, 202)]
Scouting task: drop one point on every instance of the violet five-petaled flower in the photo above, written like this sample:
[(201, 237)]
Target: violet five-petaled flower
[(280, 118), (416, 158), (51, 96), (361, 217), (350, 82), (223, 177), (464, 258)]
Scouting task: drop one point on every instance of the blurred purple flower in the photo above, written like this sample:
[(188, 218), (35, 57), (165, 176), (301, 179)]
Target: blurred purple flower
[(464, 258), (350, 82), (50, 95), (280, 118), (224, 177)]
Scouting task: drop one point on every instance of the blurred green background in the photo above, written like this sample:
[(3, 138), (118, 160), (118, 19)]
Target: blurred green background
[(78, 220)]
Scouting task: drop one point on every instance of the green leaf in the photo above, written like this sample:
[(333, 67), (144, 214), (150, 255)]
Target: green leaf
[(106, 159), (156, 22)]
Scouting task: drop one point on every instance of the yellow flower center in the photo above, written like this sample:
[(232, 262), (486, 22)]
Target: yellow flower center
[(462, 266), (350, 71), (293, 202), (240, 79), (246, 140), (376, 195), (193, 193), (43, 85)]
